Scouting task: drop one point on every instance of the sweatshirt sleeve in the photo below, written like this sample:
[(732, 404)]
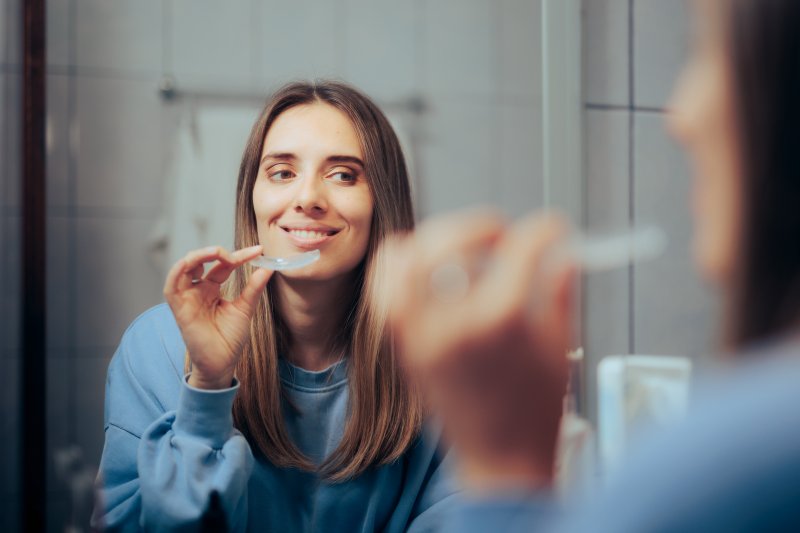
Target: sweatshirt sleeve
[(167, 445), (437, 500), (185, 455)]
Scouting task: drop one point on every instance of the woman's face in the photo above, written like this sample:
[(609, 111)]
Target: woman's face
[(702, 117), (311, 192)]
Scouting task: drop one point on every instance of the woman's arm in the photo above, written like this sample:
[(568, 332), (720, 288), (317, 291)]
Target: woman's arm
[(186, 455), (167, 445)]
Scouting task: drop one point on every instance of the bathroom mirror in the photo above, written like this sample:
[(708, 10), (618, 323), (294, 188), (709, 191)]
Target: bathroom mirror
[(148, 106)]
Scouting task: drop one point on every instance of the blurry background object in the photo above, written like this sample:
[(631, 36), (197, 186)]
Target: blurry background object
[(576, 458), (637, 391)]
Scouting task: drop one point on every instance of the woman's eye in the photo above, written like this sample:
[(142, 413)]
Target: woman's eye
[(280, 175), (347, 177)]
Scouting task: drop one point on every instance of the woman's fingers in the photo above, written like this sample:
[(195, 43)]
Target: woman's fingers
[(438, 253), (222, 270), (190, 268)]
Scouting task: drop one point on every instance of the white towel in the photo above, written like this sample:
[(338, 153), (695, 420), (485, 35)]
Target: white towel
[(201, 183)]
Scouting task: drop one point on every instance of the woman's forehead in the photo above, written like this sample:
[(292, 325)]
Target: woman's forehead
[(313, 128)]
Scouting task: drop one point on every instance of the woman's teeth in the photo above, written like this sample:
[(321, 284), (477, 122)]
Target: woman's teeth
[(305, 234)]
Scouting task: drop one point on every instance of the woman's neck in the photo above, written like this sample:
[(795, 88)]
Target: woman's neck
[(313, 312)]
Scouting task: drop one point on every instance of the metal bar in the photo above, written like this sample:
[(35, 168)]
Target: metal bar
[(170, 92), (32, 405)]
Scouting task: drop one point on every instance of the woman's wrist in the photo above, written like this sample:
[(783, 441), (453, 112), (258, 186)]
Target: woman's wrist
[(198, 381)]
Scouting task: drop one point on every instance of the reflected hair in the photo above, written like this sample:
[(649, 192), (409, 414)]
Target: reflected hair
[(764, 43), (384, 412)]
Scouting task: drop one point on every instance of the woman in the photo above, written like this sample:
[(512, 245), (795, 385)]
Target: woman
[(494, 366), (296, 369)]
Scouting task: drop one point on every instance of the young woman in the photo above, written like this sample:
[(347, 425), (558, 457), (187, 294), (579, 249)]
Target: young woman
[(293, 409), (494, 365)]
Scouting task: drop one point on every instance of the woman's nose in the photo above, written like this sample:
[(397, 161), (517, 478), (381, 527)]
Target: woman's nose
[(310, 195)]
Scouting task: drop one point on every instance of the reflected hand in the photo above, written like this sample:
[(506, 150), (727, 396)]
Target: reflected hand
[(214, 329), (492, 364)]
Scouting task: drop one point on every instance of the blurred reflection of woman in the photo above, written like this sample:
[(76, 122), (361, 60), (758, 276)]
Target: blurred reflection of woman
[(494, 362), (293, 409)]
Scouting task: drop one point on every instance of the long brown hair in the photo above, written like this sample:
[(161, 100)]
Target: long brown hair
[(764, 43), (385, 413)]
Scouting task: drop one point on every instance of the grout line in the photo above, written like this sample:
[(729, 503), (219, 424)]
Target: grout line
[(618, 107), (72, 234), (152, 76), (116, 213), (631, 173)]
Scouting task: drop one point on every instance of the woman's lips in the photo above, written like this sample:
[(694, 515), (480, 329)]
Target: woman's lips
[(309, 238)]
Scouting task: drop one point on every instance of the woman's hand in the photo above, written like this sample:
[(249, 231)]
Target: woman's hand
[(213, 328), (491, 362)]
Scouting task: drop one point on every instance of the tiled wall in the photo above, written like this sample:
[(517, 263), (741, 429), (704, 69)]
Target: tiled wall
[(636, 174), (475, 62)]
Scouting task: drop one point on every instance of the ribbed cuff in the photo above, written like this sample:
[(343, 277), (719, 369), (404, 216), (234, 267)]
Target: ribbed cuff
[(206, 414)]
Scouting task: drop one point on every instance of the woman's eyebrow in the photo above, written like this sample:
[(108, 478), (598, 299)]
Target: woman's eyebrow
[(281, 156), (345, 159)]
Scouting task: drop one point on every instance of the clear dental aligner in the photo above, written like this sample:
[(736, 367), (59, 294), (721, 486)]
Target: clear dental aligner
[(286, 263)]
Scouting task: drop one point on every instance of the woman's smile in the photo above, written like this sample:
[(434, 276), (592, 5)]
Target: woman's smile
[(308, 236)]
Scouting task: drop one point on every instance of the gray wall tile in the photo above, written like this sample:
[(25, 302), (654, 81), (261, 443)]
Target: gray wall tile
[(10, 49), (10, 298), (60, 288), (660, 40), (673, 310), (520, 50), (456, 155), (59, 413), (119, 35), (517, 167), (10, 138), (381, 37), (9, 424), (605, 51), (212, 42), (605, 295), (300, 39), (461, 60), (89, 393), (57, 140), (120, 161), (60, 32), (117, 278)]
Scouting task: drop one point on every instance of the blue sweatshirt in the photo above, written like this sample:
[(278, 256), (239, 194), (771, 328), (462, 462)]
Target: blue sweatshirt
[(169, 445), (732, 465)]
